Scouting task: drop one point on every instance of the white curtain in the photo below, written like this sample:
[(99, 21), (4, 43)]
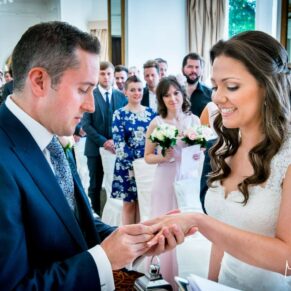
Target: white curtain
[(206, 19)]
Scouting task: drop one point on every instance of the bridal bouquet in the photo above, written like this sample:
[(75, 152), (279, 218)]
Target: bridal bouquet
[(197, 134), (164, 135)]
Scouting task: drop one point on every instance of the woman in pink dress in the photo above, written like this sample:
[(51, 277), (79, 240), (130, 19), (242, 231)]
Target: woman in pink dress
[(173, 109)]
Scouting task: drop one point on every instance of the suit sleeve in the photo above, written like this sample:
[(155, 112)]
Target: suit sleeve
[(18, 272), (91, 131)]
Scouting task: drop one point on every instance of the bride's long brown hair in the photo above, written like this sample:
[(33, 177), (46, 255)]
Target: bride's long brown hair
[(267, 61)]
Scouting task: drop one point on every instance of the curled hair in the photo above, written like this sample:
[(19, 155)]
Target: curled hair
[(267, 61), (162, 90), (52, 46)]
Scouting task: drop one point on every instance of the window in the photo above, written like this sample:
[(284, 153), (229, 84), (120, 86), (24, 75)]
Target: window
[(241, 16)]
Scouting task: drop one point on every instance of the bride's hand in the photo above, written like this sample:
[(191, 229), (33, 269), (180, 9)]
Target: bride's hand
[(184, 221)]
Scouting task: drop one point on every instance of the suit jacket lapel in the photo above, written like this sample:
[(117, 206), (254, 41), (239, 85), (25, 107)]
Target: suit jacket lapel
[(35, 163), (86, 219)]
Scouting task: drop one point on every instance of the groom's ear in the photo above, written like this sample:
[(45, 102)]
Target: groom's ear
[(39, 81)]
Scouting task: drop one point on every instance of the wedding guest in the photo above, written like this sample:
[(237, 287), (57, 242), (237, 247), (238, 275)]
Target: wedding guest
[(8, 76), (249, 202), (151, 76), (129, 128), (49, 238), (120, 76), (173, 109), (207, 118), (1, 78), (199, 94), (163, 67), (208, 114), (133, 71), (98, 127), (8, 86)]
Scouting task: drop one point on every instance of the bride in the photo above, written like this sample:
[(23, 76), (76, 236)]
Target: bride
[(249, 199)]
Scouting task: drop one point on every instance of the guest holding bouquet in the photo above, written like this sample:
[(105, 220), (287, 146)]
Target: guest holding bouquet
[(174, 116), (129, 128)]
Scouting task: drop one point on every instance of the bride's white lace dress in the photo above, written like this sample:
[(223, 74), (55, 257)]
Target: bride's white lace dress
[(259, 215)]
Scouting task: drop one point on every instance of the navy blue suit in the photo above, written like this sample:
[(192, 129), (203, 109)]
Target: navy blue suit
[(43, 243), (145, 101), (94, 124)]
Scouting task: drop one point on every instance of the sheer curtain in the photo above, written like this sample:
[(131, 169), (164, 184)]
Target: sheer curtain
[(206, 19), (102, 35), (100, 30)]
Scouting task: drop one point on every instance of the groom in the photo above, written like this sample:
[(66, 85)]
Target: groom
[(49, 239)]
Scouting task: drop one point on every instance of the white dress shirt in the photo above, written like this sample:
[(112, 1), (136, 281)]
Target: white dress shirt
[(43, 137), (103, 91), (153, 101)]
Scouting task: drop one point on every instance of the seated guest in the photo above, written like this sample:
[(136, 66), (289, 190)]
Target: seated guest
[(48, 236), (120, 76), (248, 201), (163, 67), (129, 127), (151, 76)]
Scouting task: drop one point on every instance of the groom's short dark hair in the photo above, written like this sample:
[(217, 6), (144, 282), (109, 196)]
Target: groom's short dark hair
[(52, 46)]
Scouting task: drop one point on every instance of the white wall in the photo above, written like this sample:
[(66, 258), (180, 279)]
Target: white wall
[(80, 12), (266, 16), (16, 17), (156, 28)]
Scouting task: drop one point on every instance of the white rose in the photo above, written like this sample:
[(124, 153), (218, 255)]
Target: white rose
[(160, 135)]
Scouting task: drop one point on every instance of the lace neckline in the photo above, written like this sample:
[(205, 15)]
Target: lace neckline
[(226, 195)]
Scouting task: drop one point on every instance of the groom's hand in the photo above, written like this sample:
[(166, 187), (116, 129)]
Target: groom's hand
[(167, 239), (127, 243), (180, 221)]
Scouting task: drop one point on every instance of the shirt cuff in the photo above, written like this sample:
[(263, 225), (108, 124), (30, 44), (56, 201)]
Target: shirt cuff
[(104, 268)]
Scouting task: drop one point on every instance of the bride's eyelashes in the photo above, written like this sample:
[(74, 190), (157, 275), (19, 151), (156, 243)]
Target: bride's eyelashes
[(232, 88)]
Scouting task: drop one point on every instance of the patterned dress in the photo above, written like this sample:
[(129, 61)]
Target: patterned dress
[(128, 130)]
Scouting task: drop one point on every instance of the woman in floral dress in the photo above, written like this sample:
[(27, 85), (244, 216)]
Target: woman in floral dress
[(129, 128)]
